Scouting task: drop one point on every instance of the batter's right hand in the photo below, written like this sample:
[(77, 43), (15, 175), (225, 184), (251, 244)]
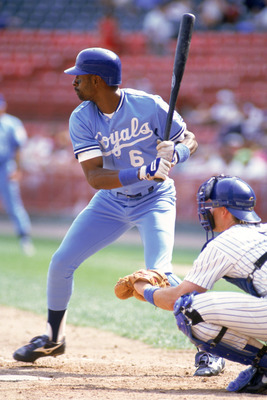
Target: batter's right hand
[(158, 169)]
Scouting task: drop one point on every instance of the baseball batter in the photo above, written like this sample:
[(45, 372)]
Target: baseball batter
[(12, 137), (117, 137), (228, 324)]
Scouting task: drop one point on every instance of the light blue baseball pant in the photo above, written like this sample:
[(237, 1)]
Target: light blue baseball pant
[(103, 221), (13, 204)]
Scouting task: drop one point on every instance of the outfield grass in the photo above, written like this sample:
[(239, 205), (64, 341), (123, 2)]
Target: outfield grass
[(93, 303)]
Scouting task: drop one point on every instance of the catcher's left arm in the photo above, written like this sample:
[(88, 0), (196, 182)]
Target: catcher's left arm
[(165, 298)]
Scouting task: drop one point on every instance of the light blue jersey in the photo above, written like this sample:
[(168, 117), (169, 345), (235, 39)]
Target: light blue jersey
[(129, 138)]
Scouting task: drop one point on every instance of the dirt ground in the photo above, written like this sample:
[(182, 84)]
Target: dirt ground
[(101, 365)]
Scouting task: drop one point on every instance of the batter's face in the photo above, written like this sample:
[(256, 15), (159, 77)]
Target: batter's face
[(85, 87)]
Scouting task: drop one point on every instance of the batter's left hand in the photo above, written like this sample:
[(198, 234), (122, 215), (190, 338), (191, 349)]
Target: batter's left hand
[(167, 151)]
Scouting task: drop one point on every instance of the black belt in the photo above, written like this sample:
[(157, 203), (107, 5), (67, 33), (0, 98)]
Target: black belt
[(134, 196)]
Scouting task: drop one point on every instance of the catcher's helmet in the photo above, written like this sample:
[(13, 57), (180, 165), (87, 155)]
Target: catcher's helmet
[(98, 61), (229, 192)]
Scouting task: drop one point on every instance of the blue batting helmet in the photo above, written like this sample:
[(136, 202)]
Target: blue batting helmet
[(230, 192), (98, 61)]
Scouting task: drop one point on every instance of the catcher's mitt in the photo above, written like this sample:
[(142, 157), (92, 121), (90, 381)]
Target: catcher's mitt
[(124, 288)]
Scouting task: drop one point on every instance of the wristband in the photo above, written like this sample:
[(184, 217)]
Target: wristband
[(128, 176), (183, 152), (142, 173), (149, 293)]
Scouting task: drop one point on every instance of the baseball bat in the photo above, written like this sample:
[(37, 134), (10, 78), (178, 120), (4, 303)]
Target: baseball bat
[(181, 54)]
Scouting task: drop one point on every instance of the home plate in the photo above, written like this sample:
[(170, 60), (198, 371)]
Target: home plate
[(16, 378)]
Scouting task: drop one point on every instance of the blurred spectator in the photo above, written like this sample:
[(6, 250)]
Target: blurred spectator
[(147, 4), (175, 11), (109, 32), (158, 30), (229, 156), (225, 110), (237, 15), (260, 20), (230, 116), (242, 158), (48, 153), (254, 6), (13, 136), (211, 13), (232, 12), (241, 145), (219, 14), (253, 124), (37, 154), (254, 16)]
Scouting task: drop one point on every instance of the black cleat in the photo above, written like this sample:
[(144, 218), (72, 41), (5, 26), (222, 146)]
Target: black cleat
[(208, 365), (39, 346)]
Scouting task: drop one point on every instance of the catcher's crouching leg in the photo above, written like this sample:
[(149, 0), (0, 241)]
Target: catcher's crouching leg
[(186, 317), (207, 364)]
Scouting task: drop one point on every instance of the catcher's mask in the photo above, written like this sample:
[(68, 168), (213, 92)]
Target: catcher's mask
[(226, 191)]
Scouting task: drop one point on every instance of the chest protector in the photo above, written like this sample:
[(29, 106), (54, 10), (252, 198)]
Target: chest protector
[(246, 284)]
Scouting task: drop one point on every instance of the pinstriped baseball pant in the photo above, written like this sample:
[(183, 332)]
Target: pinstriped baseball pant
[(244, 315)]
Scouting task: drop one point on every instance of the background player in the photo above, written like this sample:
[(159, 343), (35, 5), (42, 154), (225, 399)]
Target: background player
[(12, 137), (228, 324), (116, 135)]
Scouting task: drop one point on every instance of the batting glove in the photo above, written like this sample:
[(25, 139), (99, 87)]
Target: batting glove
[(158, 169), (166, 150)]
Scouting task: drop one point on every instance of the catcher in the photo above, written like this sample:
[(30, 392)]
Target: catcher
[(232, 325)]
